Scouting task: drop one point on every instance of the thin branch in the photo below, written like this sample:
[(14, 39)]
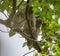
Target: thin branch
[(25, 35), (5, 15), (4, 31), (13, 12), (20, 4), (22, 21), (14, 6), (13, 9), (28, 53)]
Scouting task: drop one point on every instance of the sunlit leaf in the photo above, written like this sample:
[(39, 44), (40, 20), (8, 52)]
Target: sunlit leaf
[(12, 33)]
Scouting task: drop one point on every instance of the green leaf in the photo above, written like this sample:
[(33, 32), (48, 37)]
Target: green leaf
[(11, 33), (36, 4), (30, 47), (36, 54)]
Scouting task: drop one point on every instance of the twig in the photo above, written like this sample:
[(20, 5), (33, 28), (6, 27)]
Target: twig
[(28, 52), (5, 15), (20, 4), (4, 31)]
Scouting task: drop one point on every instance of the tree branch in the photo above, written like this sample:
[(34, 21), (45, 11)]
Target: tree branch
[(26, 17), (35, 44), (13, 11), (17, 30), (25, 35), (28, 52), (5, 22), (2, 22), (14, 6), (20, 4), (5, 15)]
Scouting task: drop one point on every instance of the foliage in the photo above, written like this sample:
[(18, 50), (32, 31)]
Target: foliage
[(11, 33), (49, 12)]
